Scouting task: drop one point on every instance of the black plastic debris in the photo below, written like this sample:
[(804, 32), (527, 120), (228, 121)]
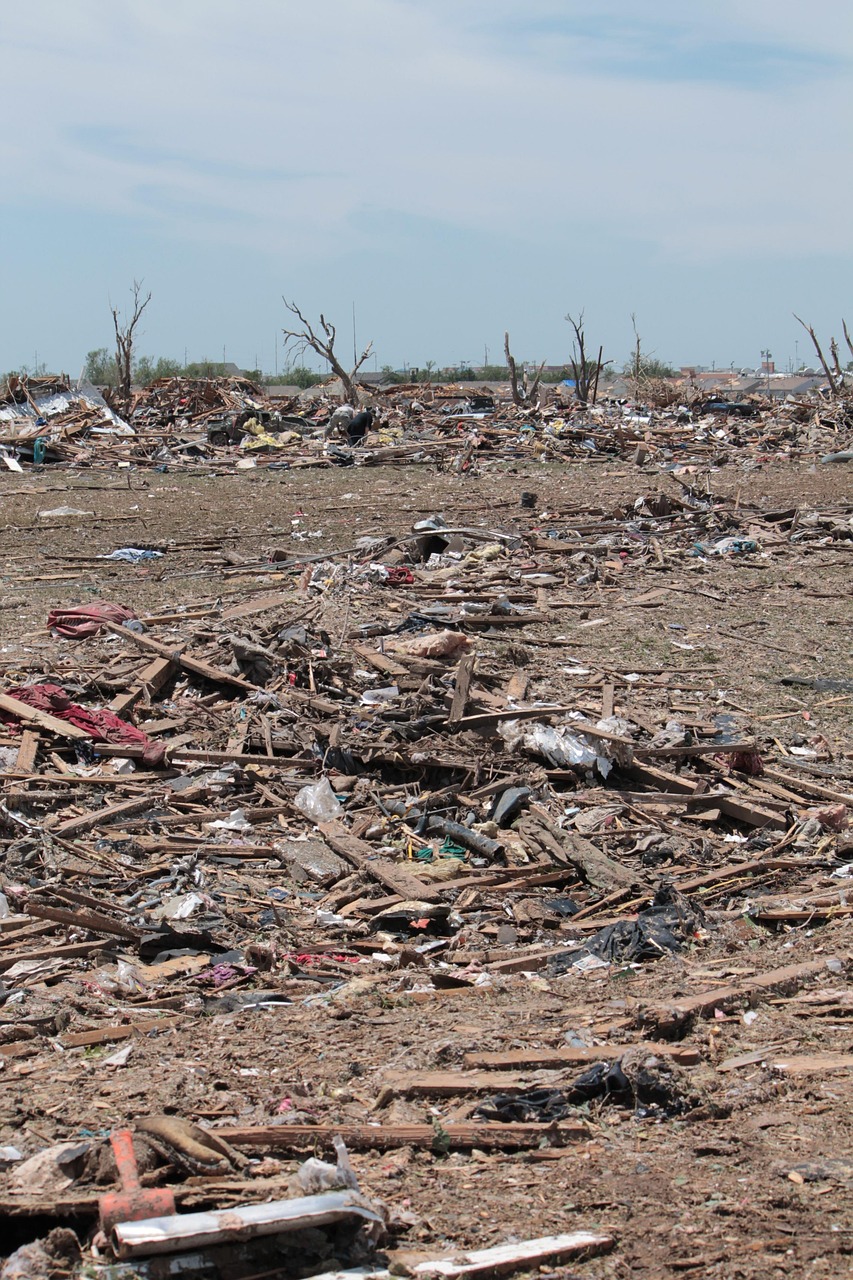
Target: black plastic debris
[(533, 1106), (666, 926)]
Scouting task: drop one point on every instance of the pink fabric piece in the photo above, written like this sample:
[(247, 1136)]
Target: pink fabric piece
[(100, 724), (86, 620)]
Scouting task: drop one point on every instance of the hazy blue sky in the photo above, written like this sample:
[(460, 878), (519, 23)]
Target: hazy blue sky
[(454, 167)]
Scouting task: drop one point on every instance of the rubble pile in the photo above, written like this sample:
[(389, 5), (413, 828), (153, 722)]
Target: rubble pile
[(44, 420), (221, 422), (288, 867)]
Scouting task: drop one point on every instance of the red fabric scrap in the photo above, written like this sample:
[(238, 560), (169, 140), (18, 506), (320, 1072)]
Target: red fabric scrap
[(399, 576), (100, 724), (87, 619), (748, 762)]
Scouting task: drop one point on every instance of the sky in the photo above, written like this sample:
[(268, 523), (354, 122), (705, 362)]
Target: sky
[(448, 169)]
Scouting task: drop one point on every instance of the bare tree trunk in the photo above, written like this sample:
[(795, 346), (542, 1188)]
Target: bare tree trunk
[(638, 360), (847, 338), (829, 374), (517, 393), (833, 351), (124, 339), (533, 394), (323, 344), (578, 361), (597, 375)]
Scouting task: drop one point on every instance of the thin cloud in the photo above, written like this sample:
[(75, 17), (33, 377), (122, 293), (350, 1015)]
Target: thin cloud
[(310, 140)]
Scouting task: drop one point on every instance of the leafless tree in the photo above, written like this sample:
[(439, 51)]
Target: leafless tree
[(521, 394), (638, 358), (125, 332), (584, 371), (834, 378), (847, 338), (322, 342)]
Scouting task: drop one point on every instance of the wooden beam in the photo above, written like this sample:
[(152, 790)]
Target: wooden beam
[(733, 808), (526, 1255), (103, 817), (111, 1035), (194, 665), (27, 751), (362, 855), (464, 672), (84, 919), (369, 1137), (686, 1055), (671, 1015), (150, 680), (71, 952), (31, 715), (453, 1084)]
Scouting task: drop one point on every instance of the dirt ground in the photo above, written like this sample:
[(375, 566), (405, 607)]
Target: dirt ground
[(754, 1180)]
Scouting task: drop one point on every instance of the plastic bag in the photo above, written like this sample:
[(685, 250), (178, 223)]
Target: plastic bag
[(318, 801)]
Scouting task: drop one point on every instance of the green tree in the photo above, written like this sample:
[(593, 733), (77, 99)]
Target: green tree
[(393, 377), (147, 370), (648, 367), (100, 368), (299, 376)]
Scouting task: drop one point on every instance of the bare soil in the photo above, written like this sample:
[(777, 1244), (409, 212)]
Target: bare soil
[(754, 1183)]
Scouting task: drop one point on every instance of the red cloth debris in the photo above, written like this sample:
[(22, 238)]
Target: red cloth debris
[(87, 619), (833, 817), (100, 724), (399, 576), (748, 762)]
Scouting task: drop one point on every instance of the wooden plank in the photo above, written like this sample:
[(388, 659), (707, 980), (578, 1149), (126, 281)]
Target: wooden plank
[(27, 751), (734, 870), (71, 952), (527, 1255), (675, 1013), (697, 749), (259, 605), (112, 1035), (31, 715), (608, 693), (379, 661), (806, 1064), (453, 1084), (185, 660), (21, 1048), (150, 680), (464, 672), (370, 1137), (808, 787), (516, 686), (685, 1055), (733, 808), (103, 817), (799, 915), (84, 919), (362, 855)]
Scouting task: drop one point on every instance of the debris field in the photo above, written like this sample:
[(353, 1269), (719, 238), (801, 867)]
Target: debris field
[(434, 848)]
